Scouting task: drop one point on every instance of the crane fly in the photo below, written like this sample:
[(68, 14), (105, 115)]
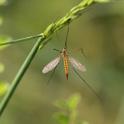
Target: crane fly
[(67, 59)]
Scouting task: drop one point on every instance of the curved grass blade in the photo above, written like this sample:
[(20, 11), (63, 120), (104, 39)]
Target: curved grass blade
[(20, 40)]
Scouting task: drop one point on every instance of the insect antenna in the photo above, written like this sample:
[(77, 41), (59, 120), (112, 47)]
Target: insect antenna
[(94, 92), (66, 40), (57, 50)]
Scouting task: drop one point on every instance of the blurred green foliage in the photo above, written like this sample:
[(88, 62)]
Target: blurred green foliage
[(68, 111), (3, 88), (3, 2), (3, 85), (1, 20), (1, 67)]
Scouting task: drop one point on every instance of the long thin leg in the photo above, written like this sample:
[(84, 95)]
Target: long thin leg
[(87, 84)]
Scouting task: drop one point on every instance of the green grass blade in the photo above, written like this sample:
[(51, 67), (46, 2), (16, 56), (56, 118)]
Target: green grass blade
[(20, 40), (19, 75)]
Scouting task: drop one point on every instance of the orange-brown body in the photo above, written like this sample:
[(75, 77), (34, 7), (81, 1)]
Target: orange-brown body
[(65, 60)]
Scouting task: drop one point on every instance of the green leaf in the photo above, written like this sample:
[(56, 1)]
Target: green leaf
[(69, 104), (61, 118), (102, 1), (4, 39), (1, 67), (73, 101), (3, 88), (61, 104), (3, 2)]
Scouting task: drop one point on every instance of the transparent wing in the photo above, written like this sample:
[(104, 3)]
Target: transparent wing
[(77, 65), (51, 65)]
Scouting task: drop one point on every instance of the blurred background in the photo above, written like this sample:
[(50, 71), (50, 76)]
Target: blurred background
[(99, 31)]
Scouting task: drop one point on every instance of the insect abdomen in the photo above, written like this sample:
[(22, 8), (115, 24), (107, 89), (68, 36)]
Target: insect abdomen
[(66, 66)]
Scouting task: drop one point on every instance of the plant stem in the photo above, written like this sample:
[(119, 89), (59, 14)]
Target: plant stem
[(19, 75)]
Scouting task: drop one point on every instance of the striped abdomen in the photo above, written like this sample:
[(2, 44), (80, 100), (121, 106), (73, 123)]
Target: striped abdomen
[(65, 59)]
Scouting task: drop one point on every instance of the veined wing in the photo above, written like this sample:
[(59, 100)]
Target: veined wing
[(51, 65), (77, 65)]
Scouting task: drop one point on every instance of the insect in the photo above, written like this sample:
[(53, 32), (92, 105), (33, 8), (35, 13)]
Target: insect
[(66, 61)]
